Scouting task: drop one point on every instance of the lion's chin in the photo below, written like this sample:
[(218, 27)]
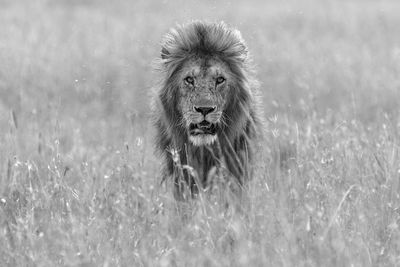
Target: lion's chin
[(203, 133), (202, 139)]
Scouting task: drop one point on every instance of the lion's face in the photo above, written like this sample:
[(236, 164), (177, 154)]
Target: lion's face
[(204, 85)]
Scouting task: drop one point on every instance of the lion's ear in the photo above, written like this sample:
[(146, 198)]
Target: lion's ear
[(164, 53)]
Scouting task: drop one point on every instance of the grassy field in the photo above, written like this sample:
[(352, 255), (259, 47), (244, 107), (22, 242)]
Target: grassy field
[(79, 180)]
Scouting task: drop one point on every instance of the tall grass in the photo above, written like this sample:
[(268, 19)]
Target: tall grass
[(80, 184)]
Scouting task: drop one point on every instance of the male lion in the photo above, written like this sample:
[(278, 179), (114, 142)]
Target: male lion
[(206, 107)]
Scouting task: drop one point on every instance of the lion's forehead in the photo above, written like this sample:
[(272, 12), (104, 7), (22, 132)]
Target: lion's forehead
[(204, 68)]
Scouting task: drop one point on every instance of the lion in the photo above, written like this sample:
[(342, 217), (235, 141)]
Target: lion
[(206, 106)]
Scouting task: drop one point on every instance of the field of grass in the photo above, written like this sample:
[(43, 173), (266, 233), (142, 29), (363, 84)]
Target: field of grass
[(79, 180)]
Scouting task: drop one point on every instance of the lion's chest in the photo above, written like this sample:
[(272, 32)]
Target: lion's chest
[(204, 162)]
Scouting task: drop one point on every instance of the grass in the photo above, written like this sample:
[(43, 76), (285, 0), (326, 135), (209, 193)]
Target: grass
[(80, 184)]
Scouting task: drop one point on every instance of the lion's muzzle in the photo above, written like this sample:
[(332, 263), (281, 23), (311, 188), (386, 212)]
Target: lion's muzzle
[(203, 125), (206, 119)]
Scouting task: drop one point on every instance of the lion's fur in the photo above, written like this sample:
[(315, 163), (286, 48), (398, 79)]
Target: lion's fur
[(233, 150)]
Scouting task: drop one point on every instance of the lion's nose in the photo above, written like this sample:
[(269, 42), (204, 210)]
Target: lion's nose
[(204, 110)]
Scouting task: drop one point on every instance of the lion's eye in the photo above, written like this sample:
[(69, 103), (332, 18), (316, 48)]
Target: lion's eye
[(189, 80), (220, 80)]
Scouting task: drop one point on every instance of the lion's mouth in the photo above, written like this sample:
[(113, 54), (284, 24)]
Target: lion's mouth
[(203, 127)]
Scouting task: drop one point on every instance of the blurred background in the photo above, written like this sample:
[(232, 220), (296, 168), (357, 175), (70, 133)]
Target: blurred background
[(83, 69)]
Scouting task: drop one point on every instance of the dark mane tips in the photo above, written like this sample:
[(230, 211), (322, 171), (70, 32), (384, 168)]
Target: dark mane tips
[(203, 38)]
